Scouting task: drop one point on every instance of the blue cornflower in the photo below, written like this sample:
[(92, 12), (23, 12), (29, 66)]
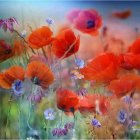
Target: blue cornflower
[(82, 92), (95, 123), (122, 116), (18, 87), (79, 62), (49, 114), (133, 123), (49, 21), (127, 99)]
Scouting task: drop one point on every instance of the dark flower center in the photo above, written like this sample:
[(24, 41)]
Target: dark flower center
[(122, 116), (35, 80), (8, 51), (90, 24)]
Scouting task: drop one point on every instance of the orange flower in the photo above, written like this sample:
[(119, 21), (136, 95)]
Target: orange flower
[(10, 75), (67, 100), (124, 85), (65, 44), (40, 37), (94, 103), (135, 47), (18, 48), (6, 51), (103, 68), (40, 74)]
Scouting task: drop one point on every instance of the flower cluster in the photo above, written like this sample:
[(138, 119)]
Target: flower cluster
[(46, 72), (62, 131)]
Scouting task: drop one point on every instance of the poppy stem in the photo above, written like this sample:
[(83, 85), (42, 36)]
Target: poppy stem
[(30, 27), (23, 40), (75, 59), (29, 116), (60, 76), (7, 120), (61, 119), (105, 46), (74, 124), (19, 111), (47, 127), (50, 52), (44, 53)]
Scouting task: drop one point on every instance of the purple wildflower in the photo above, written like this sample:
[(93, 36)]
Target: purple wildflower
[(49, 114), (49, 21), (59, 132), (95, 123), (18, 87), (79, 62), (132, 123), (8, 24), (37, 96), (122, 116), (65, 131), (127, 99), (82, 92), (69, 125)]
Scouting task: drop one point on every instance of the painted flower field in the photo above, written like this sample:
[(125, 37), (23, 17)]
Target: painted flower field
[(69, 70)]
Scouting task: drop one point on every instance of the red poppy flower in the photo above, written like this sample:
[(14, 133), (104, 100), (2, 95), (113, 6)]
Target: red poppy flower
[(67, 100), (86, 104), (103, 68), (135, 47), (124, 85), (9, 76), (40, 37), (65, 44), (40, 74), (122, 14), (129, 61), (94, 103), (6, 51), (87, 21)]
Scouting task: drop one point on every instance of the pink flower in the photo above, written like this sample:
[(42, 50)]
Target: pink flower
[(87, 21), (7, 24)]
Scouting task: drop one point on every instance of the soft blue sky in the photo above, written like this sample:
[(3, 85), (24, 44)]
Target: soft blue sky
[(35, 12), (58, 9)]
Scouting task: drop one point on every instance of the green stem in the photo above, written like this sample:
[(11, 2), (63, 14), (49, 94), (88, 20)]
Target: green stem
[(7, 121), (29, 116), (61, 119), (47, 128), (19, 111), (44, 53), (24, 40)]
